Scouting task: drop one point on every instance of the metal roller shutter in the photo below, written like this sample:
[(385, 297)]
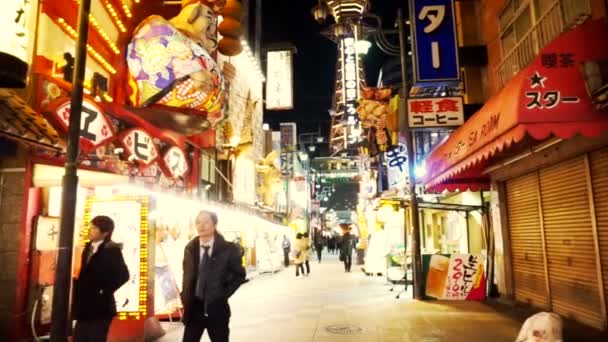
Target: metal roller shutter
[(526, 241), (569, 242), (599, 173)]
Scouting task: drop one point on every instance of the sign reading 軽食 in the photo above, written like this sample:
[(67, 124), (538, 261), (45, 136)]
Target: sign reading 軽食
[(279, 85), (435, 112), (435, 42)]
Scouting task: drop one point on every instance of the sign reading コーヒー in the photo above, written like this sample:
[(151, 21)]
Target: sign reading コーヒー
[(435, 41), (435, 112)]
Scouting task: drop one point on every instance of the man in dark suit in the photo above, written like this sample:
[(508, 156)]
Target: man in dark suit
[(103, 272), (212, 273)]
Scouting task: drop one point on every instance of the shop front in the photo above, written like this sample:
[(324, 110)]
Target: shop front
[(542, 146)]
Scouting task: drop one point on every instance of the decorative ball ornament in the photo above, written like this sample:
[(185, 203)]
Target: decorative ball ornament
[(230, 46), (230, 27), (215, 5)]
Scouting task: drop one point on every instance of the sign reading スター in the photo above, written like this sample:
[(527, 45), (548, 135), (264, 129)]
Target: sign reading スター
[(435, 42), (279, 86)]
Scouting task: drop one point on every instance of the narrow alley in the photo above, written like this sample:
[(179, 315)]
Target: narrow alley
[(331, 305)]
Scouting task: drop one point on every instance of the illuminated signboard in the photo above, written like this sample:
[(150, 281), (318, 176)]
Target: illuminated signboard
[(350, 84), (95, 127), (130, 215), (176, 162), (14, 18), (140, 146), (279, 86)]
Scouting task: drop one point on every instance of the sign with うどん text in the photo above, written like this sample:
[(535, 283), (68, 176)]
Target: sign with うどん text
[(279, 83)]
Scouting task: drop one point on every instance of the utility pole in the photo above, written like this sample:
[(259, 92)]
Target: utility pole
[(409, 143), (63, 274)]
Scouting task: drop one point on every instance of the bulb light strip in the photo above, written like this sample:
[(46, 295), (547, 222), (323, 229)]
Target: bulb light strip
[(125, 8), (114, 15), (101, 32), (254, 61), (72, 33)]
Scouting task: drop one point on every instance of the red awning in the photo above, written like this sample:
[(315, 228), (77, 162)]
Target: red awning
[(548, 98)]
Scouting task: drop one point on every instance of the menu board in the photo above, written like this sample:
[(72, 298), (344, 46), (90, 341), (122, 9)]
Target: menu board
[(130, 221), (454, 277)]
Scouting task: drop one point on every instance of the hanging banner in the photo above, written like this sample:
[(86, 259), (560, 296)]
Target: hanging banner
[(175, 162), (435, 42), (95, 127), (139, 146), (14, 18), (279, 85), (454, 277), (435, 112), (396, 160)]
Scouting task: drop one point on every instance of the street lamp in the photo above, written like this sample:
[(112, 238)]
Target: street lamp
[(320, 12)]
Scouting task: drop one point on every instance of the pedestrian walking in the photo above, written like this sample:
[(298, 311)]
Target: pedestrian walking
[(286, 244), (299, 254), (319, 243), (346, 247), (103, 271), (308, 252), (213, 271)]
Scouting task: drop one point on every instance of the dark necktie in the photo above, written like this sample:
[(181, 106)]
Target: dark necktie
[(201, 283)]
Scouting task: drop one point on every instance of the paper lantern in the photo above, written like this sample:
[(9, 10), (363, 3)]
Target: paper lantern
[(230, 27), (232, 9), (230, 46)]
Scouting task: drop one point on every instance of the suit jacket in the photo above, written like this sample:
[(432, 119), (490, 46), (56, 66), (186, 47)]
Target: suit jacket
[(224, 275), (106, 272)]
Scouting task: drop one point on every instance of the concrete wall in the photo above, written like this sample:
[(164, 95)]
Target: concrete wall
[(12, 189)]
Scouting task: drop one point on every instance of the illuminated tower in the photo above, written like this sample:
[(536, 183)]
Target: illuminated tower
[(345, 130)]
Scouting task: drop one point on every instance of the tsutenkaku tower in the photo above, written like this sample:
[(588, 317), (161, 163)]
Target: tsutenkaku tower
[(345, 127)]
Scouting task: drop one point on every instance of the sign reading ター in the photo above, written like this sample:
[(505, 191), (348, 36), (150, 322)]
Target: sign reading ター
[(435, 112), (435, 42)]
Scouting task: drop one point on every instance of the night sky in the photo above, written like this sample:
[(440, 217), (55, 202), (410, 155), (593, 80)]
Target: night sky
[(291, 21)]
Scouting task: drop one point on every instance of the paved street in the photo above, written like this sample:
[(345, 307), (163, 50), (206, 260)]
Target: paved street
[(331, 305)]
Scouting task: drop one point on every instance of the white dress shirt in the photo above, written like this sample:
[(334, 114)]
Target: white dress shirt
[(94, 247)]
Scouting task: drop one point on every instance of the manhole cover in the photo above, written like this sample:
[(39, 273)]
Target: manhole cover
[(343, 329)]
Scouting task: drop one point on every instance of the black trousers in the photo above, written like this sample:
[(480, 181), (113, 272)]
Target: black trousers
[(319, 252), (216, 325), (298, 268), (348, 262), (92, 331), (286, 257)]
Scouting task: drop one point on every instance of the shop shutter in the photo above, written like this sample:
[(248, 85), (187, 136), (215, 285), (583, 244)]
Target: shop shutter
[(569, 242), (526, 241), (599, 173)]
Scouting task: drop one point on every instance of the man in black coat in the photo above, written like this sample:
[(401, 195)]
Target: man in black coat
[(103, 271), (212, 273)]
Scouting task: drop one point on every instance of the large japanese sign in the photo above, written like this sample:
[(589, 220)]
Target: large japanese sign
[(176, 162), (95, 127), (350, 91), (279, 86), (396, 160), (435, 42), (139, 146), (454, 277), (14, 19), (288, 145), (435, 112)]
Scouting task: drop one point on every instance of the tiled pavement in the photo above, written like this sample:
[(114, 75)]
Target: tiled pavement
[(282, 308)]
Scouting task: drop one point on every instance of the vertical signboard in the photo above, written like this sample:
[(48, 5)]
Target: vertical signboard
[(279, 85), (435, 40), (351, 89), (14, 17), (288, 146)]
